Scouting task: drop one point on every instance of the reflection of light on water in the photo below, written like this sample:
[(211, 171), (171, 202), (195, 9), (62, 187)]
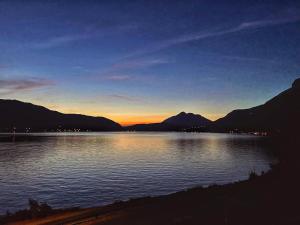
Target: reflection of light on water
[(111, 166), (137, 143)]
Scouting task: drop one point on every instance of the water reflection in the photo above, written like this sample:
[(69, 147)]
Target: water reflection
[(89, 169)]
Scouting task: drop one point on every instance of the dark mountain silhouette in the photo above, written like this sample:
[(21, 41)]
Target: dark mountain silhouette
[(281, 113), (21, 116), (187, 120), (182, 121)]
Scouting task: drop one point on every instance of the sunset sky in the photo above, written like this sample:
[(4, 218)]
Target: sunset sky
[(143, 61)]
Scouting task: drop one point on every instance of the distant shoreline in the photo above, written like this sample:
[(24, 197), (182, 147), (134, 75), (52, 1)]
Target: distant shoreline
[(15, 137)]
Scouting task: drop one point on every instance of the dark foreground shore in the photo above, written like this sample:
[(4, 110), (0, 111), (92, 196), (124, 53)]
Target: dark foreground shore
[(272, 198)]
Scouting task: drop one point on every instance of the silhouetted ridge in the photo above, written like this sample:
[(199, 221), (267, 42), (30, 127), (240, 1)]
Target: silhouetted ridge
[(187, 120), (181, 122), (281, 113), (22, 117), (296, 83)]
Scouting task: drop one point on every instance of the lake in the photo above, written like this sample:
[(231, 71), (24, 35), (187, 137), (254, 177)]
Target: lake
[(89, 169)]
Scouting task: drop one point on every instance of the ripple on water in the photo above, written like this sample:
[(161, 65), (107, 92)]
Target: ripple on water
[(98, 168)]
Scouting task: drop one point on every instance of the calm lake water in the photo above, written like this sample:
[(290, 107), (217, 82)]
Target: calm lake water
[(88, 169)]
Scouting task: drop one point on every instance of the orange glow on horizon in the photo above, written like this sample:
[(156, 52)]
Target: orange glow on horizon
[(127, 118)]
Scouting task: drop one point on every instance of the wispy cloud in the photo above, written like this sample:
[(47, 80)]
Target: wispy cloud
[(124, 98), (88, 33), (10, 86), (120, 71), (267, 23), (117, 77), (135, 64), (245, 26), (60, 40)]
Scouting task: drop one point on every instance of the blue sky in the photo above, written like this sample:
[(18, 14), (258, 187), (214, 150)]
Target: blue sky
[(142, 61)]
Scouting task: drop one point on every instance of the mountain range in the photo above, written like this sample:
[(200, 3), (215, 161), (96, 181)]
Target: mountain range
[(281, 113), (26, 117), (181, 122)]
